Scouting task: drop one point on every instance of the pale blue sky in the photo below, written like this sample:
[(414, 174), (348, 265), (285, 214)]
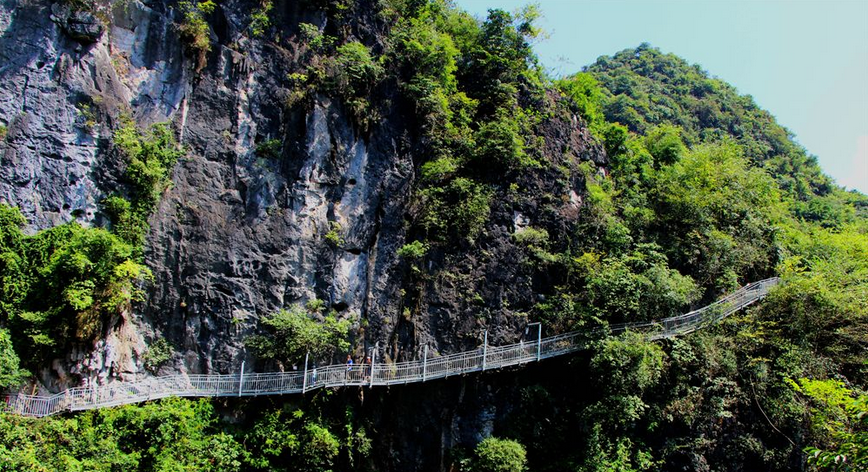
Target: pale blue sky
[(804, 61)]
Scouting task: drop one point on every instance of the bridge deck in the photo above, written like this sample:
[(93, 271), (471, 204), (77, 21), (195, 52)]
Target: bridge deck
[(378, 374)]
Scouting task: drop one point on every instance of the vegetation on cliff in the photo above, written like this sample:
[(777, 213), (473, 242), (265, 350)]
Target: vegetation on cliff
[(67, 285), (61, 286)]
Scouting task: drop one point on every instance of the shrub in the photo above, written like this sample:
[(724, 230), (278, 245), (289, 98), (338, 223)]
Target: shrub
[(427, 59), (128, 225), (315, 305), (499, 144), (532, 237), (354, 70), (585, 92), (158, 353), (293, 332), (352, 73), (499, 455), (259, 19), (11, 374), (459, 210), (86, 115), (314, 37), (414, 250), (151, 156), (195, 30), (320, 448), (3, 132), (269, 149), (537, 240), (439, 169), (333, 236)]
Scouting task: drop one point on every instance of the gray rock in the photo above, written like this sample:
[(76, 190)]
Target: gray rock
[(80, 25)]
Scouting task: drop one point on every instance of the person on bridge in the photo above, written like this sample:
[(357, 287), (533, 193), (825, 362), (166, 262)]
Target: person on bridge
[(367, 368), (349, 365)]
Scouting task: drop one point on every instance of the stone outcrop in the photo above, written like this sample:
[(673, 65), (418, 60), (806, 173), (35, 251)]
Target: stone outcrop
[(82, 26)]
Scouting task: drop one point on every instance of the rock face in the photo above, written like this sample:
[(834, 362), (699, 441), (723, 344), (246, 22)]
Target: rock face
[(241, 234), (82, 26)]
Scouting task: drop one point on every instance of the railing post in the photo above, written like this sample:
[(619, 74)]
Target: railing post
[(424, 362), (241, 378), (373, 363), (539, 342), (304, 379), (484, 349)]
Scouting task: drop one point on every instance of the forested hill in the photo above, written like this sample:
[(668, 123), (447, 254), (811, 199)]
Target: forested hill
[(724, 190), (644, 87), (198, 186)]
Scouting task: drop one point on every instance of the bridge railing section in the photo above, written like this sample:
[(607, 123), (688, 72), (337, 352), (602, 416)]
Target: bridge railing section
[(420, 370)]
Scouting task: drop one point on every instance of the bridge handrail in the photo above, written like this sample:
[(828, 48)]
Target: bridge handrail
[(419, 370)]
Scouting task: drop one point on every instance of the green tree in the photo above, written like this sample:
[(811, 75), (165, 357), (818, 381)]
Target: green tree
[(637, 286), (456, 212), (172, 434), (353, 72), (499, 455), (665, 145), (623, 369), (500, 145), (840, 418), (585, 92), (294, 332), (11, 374), (716, 214)]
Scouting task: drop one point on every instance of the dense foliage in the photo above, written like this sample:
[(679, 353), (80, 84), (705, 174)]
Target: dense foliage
[(706, 192), (179, 434), (840, 418), (645, 88), (295, 332), (61, 285), (68, 284)]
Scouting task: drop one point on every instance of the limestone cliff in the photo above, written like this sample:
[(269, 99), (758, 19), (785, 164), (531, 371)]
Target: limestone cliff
[(242, 233)]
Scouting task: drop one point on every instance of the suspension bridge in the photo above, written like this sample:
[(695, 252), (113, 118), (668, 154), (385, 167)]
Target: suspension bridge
[(372, 375)]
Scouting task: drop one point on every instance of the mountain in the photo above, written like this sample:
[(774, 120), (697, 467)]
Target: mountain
[(192, 186)]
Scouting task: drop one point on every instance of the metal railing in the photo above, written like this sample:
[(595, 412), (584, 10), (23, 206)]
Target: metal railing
[(421, 370)]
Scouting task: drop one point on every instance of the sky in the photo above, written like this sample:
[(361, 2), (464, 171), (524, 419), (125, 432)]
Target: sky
[(806, 62)]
